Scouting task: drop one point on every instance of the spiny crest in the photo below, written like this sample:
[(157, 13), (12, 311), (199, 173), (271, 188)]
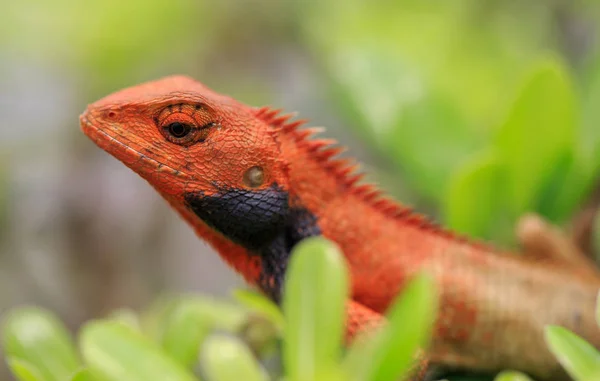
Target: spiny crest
[(346, 172)]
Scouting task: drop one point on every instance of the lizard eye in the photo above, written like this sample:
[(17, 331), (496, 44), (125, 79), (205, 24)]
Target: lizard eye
[(184, 124), (178, 130), (184, 133)]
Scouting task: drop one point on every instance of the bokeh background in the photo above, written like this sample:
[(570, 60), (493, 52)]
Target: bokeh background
[(473, 111)]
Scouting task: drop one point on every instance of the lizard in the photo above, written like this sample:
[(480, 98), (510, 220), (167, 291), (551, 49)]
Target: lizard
[(253, 182)]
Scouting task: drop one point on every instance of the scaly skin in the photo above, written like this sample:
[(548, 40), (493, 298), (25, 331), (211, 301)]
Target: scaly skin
[(252, 184)]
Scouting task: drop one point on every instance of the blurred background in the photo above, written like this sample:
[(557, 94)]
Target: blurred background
[(473, 111)]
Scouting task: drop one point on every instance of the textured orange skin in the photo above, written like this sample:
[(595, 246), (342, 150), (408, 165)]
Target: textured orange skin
[(493, 305)]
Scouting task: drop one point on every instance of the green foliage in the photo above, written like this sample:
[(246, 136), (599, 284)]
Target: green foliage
[(511, 376), (423, 78), (22, 370), (534, 150), (102, 36), (189, 322), (114, 351), (38, 345), (589, 136), (191, 338), (227, 358), (314, 309), (579, 358), (473, 196), (258, 303), (539, 130), (484, 121)]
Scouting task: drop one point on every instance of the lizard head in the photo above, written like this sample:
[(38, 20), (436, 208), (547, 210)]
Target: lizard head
[(181, 137), (211, 158)]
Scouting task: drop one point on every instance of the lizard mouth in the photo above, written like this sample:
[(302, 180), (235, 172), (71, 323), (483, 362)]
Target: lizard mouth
[(119, 148)]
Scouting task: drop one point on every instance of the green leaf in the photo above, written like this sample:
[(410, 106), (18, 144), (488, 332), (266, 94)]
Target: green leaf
[(425, 108), (152, 318), (23, 370), (226, 358), (265, 322), (579, 358), (511, 376), (222, 315), (83, 375), (475, 202), (590, 133), (262, 305), (127, 317), (115, 352), (563, 188), (427, 141), (539, 130), (474, 63), (38, 338), (261, 336), (313, 306), (357, 359), (184, 331), (391, 354)]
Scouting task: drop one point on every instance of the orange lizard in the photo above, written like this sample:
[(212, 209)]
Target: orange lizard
[(252, 184)]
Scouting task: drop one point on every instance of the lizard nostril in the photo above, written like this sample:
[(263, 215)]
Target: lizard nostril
[(111, 114)]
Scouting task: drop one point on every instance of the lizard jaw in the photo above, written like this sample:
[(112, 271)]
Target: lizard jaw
[(119, 147)]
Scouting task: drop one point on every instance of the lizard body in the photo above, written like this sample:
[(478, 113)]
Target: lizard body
[(252, 184)]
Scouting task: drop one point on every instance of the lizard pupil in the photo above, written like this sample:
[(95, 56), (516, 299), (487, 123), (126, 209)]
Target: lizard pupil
[(179, 130)]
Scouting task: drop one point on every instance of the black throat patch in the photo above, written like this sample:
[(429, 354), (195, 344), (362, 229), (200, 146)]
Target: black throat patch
[(261, 221)]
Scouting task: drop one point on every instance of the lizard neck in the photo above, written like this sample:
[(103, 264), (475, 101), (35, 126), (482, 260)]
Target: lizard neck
[(383, 241), (253, 231), (235, 255)]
